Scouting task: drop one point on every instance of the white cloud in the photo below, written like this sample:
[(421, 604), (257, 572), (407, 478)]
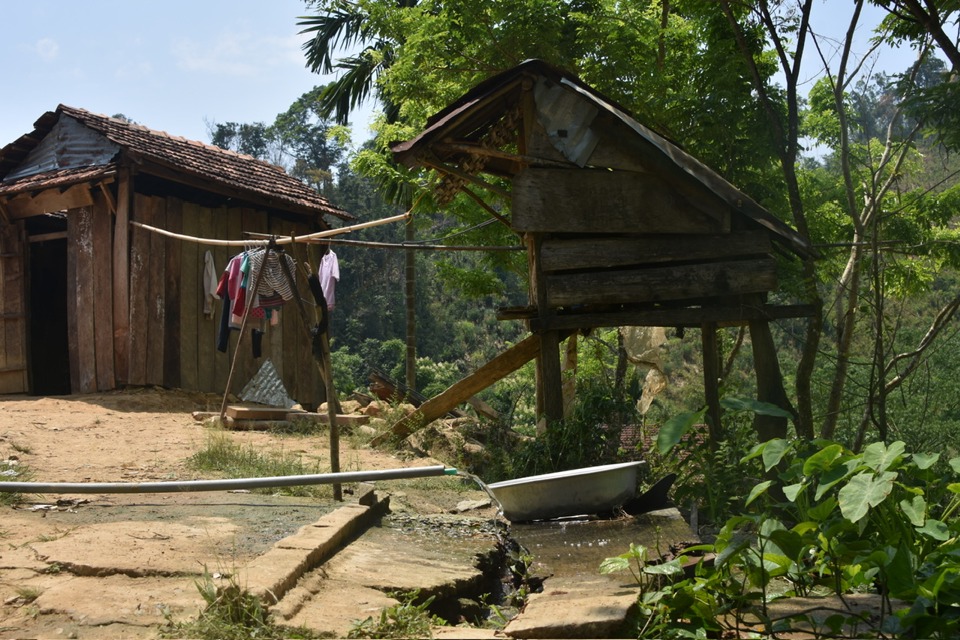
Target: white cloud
[(232, 54), (46, 48)]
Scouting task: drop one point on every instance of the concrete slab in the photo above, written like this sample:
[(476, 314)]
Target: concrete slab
[(140, 549), (96, 602), (578, 602), (271, 575), (575, 608)]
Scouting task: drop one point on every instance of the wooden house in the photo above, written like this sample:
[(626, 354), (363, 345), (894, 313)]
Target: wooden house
[(89, 302), (622, 227)]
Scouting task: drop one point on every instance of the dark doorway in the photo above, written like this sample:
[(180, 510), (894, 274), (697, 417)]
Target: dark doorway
[(49, 351)]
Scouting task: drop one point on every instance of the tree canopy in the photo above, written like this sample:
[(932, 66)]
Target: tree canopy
[(843, 154)]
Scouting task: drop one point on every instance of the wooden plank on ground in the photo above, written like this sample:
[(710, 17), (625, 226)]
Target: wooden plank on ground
[(191, 299), (81, 241), (656, 284), (172, 333), (156, 303), (500, 366), (241, 412), (102, 299)]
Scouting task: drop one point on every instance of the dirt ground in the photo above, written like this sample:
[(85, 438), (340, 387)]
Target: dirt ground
[(119, 565)]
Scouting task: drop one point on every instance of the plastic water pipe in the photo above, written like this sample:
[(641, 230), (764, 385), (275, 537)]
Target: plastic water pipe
[(225, 485)]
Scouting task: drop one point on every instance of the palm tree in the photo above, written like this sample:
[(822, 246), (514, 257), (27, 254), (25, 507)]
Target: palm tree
[(342, 28)]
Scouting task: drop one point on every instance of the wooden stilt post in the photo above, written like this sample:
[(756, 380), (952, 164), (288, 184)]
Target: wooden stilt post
[(711, 380), (551, 377)]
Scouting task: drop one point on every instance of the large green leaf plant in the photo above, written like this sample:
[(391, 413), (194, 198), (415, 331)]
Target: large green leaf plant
[(823, 521)]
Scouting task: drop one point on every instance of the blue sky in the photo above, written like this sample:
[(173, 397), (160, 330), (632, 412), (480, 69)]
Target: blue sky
[(174, 65), (178, 65)]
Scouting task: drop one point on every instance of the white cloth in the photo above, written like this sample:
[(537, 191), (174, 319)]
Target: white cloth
[(329, 275), (210, 282)]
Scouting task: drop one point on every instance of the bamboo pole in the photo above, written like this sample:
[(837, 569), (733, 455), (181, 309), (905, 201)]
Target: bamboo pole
[(215, 242)]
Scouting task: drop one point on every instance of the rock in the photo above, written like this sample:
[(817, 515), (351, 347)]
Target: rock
[(347, 406), (471, 505), (373, 409)]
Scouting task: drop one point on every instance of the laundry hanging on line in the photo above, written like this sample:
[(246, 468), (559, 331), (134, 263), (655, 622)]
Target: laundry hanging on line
[(329, 275), (273, 291)]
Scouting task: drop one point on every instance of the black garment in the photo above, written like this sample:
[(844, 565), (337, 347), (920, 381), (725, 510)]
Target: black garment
[(223, 334), (256, 337)]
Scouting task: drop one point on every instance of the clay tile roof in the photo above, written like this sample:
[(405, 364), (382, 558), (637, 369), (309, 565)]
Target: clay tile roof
[(262, 180), (57, 178), (208, 161)]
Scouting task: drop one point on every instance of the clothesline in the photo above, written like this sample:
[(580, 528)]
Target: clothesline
[(278, 240)]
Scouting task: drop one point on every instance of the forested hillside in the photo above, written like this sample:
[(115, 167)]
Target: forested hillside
[(788, 103)]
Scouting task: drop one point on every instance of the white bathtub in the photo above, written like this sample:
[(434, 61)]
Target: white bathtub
[(586, 490)]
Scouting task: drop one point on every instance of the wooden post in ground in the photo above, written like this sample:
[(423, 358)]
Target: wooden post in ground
[(711, 380)]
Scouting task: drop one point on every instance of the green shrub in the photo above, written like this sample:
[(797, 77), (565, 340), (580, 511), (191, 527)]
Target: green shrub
[(826, 521)]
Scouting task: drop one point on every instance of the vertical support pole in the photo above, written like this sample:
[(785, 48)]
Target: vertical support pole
[(121, 277), (326, 369), (551, 378), (332, 405), (711, 379)]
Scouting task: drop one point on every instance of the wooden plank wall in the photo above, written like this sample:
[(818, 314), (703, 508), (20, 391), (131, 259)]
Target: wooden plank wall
[(628, 269), (81, 308), (172, 343), (194, 326), (13, 322), (103, 294)]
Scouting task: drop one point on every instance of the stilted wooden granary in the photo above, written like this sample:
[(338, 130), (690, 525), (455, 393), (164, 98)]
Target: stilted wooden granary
[(91, 303), (622, 227)]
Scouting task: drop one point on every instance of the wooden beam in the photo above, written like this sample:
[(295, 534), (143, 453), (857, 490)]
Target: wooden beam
[(494, 370), (121, 276), (659, 284), (434, 163), (711, 380), (522, 161), (44, 237), (25, 205), (723, 315), (551, 377), (108, 196), (80, 228), (616, 251), (102, 299)]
